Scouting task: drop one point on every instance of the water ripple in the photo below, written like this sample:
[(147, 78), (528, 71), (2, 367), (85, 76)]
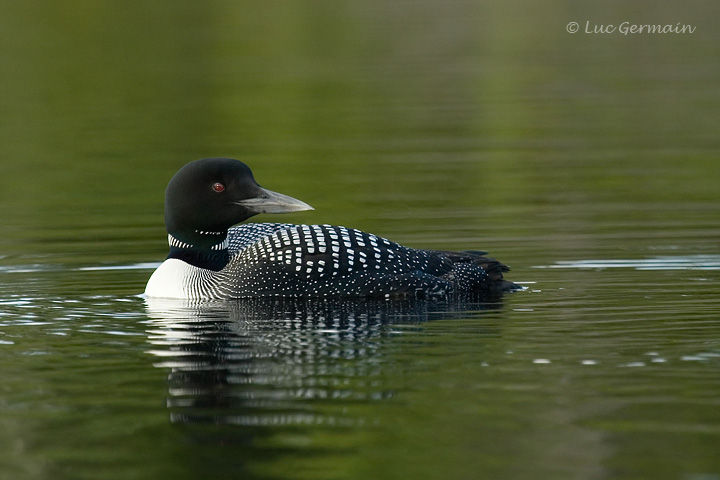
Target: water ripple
[(687, 262)]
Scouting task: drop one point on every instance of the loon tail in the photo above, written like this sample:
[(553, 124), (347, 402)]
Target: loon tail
[(492, 267)]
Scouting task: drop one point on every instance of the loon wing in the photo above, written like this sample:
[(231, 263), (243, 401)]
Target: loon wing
[(320, 260)]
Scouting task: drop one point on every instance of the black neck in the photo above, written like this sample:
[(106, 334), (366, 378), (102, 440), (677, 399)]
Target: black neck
[(210, 253), (209, 259)]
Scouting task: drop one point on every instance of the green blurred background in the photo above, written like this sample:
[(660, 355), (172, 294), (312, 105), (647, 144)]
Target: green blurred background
[(469, 115)]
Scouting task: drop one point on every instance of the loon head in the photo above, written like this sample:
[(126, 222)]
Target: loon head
[(207, 197)]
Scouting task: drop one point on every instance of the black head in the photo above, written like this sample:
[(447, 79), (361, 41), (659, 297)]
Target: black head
[(208, 196)]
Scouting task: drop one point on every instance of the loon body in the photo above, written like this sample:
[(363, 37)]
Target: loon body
[(211, 259)]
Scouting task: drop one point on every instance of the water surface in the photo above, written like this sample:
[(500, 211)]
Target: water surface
[(588, 163)]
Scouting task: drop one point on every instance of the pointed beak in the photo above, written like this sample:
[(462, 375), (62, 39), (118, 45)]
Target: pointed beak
[(273, 202)]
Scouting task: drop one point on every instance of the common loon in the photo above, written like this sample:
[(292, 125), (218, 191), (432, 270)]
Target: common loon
[(211, 259)]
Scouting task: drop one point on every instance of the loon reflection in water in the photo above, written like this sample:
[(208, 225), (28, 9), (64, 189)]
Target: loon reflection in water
[(269, 361)]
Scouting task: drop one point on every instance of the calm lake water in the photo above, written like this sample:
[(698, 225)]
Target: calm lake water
[(587, 162)]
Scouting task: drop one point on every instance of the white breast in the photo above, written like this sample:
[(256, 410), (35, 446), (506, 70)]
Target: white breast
[(173, 279)]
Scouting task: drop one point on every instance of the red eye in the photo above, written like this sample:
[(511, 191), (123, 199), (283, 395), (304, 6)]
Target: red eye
[(218, 187)]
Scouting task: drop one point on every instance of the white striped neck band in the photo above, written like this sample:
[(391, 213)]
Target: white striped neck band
[(174, 242)]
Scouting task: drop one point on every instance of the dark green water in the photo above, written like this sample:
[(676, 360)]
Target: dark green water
[(588, 162)]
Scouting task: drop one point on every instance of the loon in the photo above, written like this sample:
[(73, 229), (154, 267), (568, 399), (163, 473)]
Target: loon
[(212, 259)]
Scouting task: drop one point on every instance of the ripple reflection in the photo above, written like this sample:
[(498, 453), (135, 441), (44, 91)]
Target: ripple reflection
[(687, 262)]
